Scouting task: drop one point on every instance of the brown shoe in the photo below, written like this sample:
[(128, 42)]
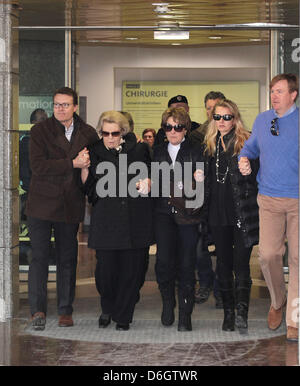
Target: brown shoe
[(275, 317), (65, 321), (38, 321), (292, 334)]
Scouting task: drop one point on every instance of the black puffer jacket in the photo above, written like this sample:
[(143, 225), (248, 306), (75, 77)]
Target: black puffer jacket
[(119, 222), (244, 189)]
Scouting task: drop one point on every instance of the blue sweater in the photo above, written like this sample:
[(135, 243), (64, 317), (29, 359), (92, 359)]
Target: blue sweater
[(278, 155)]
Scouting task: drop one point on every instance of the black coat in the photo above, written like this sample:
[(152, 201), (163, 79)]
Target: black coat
[(118, 222), (188, 152), (244, 192)]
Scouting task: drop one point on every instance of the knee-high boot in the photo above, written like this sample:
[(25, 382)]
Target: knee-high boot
[(227, 292), (243, 289), (169, 303), (186, 304)]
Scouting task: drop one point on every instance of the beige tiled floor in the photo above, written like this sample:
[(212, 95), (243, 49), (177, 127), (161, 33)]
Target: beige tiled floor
[(18, 346)]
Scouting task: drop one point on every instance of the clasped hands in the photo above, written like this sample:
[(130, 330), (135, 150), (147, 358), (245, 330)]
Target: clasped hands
[(82, 160), (244, 166)]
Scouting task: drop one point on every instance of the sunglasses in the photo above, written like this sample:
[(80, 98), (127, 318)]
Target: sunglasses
[(274, 128), (177, 128), (226, 117), (113, 133)]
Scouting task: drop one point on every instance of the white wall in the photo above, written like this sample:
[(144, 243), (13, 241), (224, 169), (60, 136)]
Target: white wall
[(102, 70)]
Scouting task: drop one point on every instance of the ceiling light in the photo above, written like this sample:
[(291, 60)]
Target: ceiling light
[(161, 7), (171, 35), (165, 25), (255, 40), (215, 37), (131, 38)]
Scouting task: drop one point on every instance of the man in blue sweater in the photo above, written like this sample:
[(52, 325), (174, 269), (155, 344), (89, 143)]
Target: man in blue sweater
[(274, 140)]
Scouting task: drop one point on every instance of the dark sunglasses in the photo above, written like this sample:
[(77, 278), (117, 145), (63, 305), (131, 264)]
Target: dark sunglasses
[(226, 117), (274, 128), (113, 133), (177, 128)]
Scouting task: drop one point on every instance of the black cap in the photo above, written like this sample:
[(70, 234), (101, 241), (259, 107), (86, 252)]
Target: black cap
[(178, 99)]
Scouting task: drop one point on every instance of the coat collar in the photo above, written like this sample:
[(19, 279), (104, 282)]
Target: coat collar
[(127, 146), (184, 147), (227, 136), (71, 148)]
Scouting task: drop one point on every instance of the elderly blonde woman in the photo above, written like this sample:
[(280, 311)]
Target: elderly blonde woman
[(232, 211), (121, 226)]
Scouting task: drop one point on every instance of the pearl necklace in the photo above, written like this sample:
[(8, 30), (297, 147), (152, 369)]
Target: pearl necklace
[(222, 180)]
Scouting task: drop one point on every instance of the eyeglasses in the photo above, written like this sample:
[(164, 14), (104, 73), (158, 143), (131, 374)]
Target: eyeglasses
[(274, 128), (113, 133), (177, 128), (63, 105), (226, 117)]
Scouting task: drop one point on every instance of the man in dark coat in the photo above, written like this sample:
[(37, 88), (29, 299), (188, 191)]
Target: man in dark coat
[(58, 152)]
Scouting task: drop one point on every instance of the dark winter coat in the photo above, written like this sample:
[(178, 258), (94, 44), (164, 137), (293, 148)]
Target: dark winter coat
[(54, 192), (118, 222), (188, 152), (244, 191)]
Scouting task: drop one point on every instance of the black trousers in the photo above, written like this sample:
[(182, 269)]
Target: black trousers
[(118, 275), (232, 255), (176, 253), (66, 248)]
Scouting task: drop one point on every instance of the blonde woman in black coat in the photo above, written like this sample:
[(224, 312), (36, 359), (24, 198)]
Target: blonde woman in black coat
[(232, 211), (121, 225)]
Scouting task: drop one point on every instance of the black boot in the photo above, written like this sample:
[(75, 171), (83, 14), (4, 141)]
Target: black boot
[(184, 321), (243, 290), (169, 303), (186, 304), (229, 318), (229, 312)]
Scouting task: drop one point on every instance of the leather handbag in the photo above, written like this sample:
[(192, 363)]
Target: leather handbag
[(183, 215)]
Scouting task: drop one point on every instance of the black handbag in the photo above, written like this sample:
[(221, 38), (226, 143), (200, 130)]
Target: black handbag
[(183, 215)]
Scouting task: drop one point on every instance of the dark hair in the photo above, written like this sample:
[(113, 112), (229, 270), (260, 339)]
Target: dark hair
[(151, 130), (67, 91), (38, 115), (292, 79), (214, 95), (129, 118), (179, 115)]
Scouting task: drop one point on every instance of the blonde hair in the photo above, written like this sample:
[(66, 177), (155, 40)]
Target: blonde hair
[(113, 116), (240, 134)]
